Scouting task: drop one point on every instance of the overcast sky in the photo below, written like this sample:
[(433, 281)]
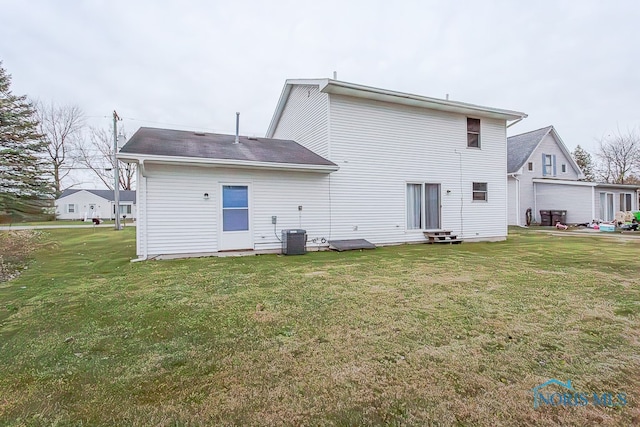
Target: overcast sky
[(193, 64)]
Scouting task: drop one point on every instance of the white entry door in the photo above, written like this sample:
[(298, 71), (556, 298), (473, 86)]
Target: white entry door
[(235, 218)]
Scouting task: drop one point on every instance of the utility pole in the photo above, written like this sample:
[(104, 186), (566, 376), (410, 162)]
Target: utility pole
[(116, 172)]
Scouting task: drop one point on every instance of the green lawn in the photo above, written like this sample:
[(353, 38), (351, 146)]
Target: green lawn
[(403, 335), (60, 222)]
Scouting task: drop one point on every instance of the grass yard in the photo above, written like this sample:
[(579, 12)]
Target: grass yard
[(403, 335), (65, 222)]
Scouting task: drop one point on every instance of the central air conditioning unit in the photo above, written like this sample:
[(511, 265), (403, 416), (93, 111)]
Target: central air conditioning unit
[(294, 242)]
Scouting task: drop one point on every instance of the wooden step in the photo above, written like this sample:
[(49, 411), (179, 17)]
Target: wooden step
[(442, 236)]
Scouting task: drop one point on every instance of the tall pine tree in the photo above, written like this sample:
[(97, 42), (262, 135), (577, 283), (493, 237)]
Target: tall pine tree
[(25, 190), (583, 159)]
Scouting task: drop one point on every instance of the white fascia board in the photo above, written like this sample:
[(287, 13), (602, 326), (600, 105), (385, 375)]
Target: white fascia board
[(620, 186), (564, 182), (566, 152), (284, 96), (230, 163), (367, 92)]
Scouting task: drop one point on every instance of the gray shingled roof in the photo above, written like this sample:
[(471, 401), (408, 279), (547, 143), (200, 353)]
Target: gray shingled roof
[(177, 143), (124, 195), (520, 147)]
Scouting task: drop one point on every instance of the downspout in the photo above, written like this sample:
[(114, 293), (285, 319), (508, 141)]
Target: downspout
[(143, 174), (514, 122), (535, 202), (593, 203), (514, 175)]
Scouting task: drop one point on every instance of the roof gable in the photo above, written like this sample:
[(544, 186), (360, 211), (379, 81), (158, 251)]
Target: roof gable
[(521, 147), (123, 195)]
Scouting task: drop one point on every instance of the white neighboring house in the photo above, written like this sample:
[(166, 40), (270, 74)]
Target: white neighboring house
[(340, 160), (542, 175), (76, 204)]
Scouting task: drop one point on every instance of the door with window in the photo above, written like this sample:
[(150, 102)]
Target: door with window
[(235, 218), (423, 206)]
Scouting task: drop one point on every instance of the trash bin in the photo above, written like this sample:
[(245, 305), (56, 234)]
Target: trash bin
[(558, 217), (545, 217)]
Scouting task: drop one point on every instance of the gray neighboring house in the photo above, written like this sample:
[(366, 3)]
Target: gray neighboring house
[(81, 204), (542, 175)]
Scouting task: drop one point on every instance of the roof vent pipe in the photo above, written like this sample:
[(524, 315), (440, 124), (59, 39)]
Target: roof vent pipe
[(335, 75), (237, 128)]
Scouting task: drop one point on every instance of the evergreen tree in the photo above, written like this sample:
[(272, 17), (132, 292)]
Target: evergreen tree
[(583, 159), (25, 190)]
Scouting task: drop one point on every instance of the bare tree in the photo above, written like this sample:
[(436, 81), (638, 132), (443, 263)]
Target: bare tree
[(619, 157), (96, 155), (61, 126)]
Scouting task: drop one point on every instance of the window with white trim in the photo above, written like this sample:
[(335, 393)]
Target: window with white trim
[(548, 165), (530, 166), (71, 208), (473, 133), (625, 202), (423, 206), (480, 192)]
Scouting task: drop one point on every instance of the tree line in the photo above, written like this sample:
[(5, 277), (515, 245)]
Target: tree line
[(616, 161), (41, 144)]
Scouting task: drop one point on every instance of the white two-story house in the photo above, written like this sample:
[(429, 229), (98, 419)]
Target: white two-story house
[(340, 160)]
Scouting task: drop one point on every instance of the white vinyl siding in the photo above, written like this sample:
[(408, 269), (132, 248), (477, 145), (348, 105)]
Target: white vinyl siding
[(379, 147), (576, 200), (305, 119), (182, 221)]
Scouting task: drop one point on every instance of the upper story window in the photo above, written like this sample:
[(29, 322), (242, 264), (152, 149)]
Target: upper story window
[(547, 166), (473, 133), (564, 168), (530, 166)]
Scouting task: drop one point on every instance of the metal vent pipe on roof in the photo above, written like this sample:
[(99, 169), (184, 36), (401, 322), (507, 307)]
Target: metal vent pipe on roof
[(237, 128)]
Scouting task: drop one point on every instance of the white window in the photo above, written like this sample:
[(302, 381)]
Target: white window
[(548, 165), (125, 209), (423, 206), (235, 208), (480, 192), (71, 208), (414, 206), (625, 202), (473, 133), (530, 166)]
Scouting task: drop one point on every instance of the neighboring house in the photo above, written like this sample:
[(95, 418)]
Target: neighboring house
[(542, 175), (87, 204), (340, 160)]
